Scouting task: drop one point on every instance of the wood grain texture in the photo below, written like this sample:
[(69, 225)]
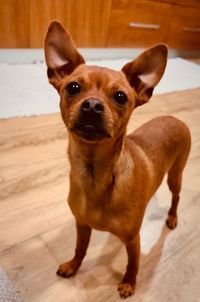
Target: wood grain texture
[(86, 20), (184, 31), (101, 23), (14, 23), (121, 34), (37, 230), (190, 3)]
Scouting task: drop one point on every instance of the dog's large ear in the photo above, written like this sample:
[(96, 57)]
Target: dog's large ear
[(61, 54), (145, 72)]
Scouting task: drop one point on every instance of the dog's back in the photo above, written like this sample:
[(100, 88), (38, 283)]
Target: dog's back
[(165, 143), (163, 138)]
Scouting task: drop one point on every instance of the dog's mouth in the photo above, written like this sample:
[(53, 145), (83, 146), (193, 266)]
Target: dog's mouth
[(90, 132)]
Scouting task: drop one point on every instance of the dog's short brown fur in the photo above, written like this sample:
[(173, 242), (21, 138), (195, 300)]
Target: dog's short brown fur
[(113, 176)]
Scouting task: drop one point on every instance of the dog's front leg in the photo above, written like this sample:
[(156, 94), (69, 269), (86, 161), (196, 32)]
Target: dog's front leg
[(127, 286), (70, 268)]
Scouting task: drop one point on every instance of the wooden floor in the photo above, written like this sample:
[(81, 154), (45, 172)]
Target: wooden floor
[(37, 230)]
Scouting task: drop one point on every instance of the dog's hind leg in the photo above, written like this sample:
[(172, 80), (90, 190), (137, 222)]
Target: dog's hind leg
[(174, 182)]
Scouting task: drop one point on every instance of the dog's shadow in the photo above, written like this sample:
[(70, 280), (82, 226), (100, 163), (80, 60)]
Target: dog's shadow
[(149, 262), (114, 258)]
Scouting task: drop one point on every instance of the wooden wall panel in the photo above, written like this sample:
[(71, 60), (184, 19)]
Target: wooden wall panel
[(102, 23), (42, 12), (184, 32), (14, 23), (138, 23), (87, 20), (190, 3)]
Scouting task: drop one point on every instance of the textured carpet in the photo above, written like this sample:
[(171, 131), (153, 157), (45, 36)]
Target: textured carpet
[(7, 291)]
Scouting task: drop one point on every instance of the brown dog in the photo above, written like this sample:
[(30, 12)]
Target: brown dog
[(113, 176)]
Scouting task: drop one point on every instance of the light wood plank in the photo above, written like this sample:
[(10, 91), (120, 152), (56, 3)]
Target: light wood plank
[(32, 269)]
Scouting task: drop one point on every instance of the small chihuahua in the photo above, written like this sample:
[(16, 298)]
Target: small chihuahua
[(113, 176)]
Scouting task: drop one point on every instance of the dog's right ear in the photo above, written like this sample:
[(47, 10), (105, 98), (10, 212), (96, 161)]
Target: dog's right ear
[(61, 54), (145, 72)]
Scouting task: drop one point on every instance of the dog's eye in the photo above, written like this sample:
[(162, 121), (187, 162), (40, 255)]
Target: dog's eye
[(120, 98), (73, 88)]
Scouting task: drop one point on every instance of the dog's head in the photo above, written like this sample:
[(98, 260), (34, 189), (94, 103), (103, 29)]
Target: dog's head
[(96, 102)]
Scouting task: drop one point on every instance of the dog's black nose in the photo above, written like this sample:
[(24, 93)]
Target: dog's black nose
[(93, 106)]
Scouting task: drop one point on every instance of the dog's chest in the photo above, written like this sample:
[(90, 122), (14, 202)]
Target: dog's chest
[(93, 213), (104, 214), (99, 200)]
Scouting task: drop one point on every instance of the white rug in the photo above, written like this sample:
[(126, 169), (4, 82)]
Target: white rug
[(24, 89)]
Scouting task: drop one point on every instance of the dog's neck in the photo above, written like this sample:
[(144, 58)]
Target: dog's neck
[(94, 164)]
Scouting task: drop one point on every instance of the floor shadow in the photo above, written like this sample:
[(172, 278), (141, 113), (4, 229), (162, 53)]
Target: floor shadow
[(150, 261), (114, 252)]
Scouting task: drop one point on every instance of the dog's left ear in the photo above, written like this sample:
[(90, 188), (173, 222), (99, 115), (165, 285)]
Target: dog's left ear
[(145, 72), (61, 54)]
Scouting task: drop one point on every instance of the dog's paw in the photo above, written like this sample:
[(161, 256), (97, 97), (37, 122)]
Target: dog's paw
[(126, 289), (67, 269), (171, 222)]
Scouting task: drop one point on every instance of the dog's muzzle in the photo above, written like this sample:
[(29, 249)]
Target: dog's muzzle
[(90, 123)]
